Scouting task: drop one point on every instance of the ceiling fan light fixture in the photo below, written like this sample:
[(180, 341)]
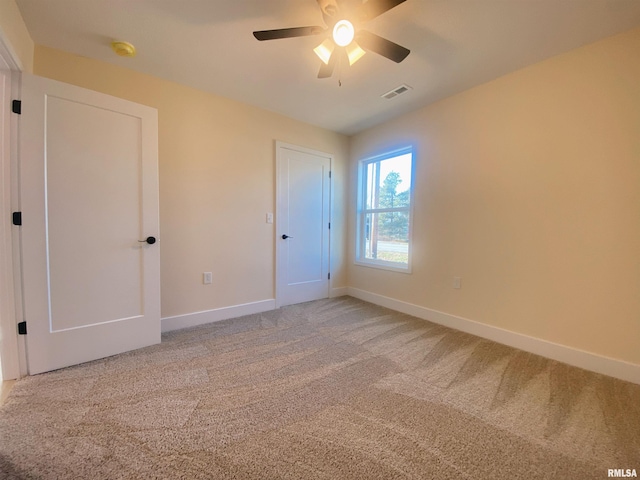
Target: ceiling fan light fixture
[(343, 33), (339, 33), (324, 50), (354, 52)]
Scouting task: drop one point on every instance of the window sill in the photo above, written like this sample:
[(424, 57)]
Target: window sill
[(381, 265)]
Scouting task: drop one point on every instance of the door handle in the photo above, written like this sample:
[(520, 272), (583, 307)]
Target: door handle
[(149, 240), (285, 236)]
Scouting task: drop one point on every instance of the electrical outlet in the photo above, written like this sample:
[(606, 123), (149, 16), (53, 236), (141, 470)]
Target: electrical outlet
[(207, 278), (269, 217), (457, 282)]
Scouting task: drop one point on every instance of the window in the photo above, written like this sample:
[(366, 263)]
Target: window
[(384, 211)]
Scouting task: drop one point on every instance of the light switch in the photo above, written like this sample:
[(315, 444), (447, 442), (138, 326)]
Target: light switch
[(269, 217), (207, 278)]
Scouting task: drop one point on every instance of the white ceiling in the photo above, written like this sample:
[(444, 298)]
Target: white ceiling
[(208, 44)]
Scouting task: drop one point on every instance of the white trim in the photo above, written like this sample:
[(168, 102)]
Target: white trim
[(8, 55), (578, 358), (209, 316), (10, 350), (383, 265), (339, 292), (16, 205)]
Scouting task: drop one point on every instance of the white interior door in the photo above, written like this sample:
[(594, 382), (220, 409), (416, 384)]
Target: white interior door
[(89, 195), (303, 216)]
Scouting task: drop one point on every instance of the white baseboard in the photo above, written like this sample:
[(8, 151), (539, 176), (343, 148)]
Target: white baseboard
[(209, 316), (339, 292), (578, 358)]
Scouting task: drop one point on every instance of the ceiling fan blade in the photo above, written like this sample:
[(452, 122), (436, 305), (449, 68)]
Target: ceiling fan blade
[(373, 8), (382, 46), (288, 33), (326, 69)]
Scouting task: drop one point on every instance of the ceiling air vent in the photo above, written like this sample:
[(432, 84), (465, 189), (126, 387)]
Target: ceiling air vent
[(396, 91)]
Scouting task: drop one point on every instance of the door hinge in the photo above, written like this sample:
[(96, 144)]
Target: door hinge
[(17, 218), (329, 173), (329, 225), (329, 276), (22, 328), (16, 107)]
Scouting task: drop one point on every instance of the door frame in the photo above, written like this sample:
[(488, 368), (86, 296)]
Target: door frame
[(279, 146), (12, 351)]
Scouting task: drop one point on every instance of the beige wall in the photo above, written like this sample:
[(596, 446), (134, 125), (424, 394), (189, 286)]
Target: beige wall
[(528, 187), (14, 32), (217, 182)]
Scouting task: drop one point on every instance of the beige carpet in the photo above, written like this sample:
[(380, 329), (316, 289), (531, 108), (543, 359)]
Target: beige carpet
[(333, 389)]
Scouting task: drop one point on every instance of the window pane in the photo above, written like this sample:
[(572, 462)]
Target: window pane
[(387, 237), (384, 210), (388, 183)]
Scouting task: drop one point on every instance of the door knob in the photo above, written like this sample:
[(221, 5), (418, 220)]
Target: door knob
[(285, 236), (149, 240)]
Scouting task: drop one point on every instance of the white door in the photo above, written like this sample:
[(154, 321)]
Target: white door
[(89, 199), (303, 216)]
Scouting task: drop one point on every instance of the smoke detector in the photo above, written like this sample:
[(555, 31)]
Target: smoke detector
[(124, 49)]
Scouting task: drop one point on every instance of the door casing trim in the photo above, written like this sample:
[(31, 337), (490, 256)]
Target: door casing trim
[(12, 352)]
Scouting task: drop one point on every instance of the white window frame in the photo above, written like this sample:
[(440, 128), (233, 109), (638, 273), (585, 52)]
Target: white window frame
[(362, 211)]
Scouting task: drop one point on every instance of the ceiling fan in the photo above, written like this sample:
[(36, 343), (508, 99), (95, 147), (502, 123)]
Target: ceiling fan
[(344, 35)]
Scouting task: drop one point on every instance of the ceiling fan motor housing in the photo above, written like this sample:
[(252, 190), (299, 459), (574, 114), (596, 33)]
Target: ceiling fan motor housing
[(328, 7)]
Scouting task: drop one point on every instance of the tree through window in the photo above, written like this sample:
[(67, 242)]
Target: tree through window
[(384, 210)]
